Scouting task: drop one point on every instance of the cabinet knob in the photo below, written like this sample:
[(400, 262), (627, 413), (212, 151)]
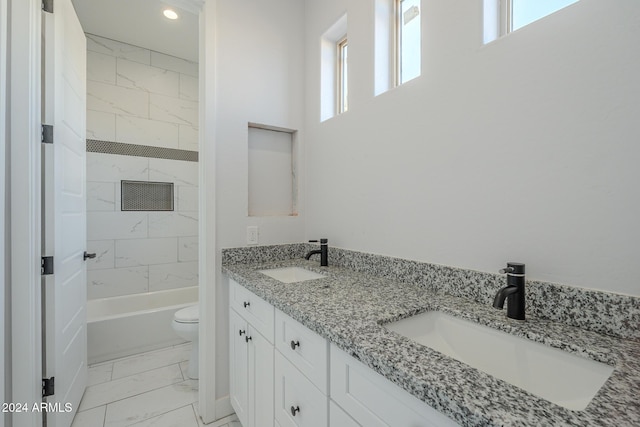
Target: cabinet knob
[(242, 332), (294, 410), (247, 338), (294, 344), (246, 304)]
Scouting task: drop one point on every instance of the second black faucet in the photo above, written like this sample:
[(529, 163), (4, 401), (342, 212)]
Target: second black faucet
[(513, 292), (323, 251)]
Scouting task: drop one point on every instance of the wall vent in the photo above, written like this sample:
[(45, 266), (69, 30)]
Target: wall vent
[(146, 196)]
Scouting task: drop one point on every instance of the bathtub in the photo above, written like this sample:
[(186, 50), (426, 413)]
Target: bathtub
[(131, 324)]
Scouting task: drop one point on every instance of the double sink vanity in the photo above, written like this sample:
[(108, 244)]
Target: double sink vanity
[(334, 346)]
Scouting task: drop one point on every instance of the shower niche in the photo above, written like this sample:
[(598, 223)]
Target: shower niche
[(146, 196)]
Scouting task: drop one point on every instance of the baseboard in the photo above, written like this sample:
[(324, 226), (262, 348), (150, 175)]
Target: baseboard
[(223, 407)]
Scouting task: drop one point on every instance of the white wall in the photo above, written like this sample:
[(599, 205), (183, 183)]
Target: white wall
[(259, 78), (260, 75), (521, 150), (141, 97)]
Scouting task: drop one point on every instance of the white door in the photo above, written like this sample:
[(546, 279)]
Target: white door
[(64, 205)]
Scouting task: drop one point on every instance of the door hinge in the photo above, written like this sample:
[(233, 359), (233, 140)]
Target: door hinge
[(47, 134), (46, 266), (47, 6), (48, 386)]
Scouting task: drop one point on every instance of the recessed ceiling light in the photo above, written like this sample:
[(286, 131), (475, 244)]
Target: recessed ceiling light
[(170, 14)]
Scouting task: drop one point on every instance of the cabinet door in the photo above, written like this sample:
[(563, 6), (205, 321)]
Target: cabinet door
[(308, 351), (373, 401), (238, 364), (298, 403), (260, 380), (339, 418), (255, 310)]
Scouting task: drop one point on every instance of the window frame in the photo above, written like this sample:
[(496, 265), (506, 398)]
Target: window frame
[(342, 104), (506, 21), (397, 43), (506, 16)]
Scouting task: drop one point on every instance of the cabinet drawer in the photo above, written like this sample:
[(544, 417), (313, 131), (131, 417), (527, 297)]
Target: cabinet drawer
[(298, 403), (255, 310), (339, 418), (373, 401), (307, 350)]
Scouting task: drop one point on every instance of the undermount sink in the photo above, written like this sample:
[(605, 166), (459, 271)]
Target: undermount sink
[(563, 378), (292, 274)]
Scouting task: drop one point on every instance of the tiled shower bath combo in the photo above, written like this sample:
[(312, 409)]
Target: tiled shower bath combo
[(142, 134)]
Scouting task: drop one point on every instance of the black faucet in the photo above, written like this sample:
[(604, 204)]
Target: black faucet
[(323, 251), (514, 291)]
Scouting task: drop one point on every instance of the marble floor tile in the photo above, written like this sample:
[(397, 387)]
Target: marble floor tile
[(122, 388), (91, 418), (183, 417), (150, 404), (151, 360), (184, 367), (99, 374)]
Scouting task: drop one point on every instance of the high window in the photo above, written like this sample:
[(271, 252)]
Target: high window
[(407, 24), (397, 43), (334, 81), (524, 12), (342, 72), (504, 16)]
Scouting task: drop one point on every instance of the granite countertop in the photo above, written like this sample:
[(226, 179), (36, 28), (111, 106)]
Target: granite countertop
[(348, 308)]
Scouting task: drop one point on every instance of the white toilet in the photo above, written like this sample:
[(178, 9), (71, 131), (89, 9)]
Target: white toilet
[(185, 323)]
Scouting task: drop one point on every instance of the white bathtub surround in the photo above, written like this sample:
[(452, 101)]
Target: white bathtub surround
[(188, 138), (140, 97), (148, 79), (181, 173), (113, 168), (101, 196), (171, 276), (131, 252), (161, 60), (156, 241), (150, 389), (130, 324), (118, 49), (117, 281), (148, 132), (187, 249), (103, 69)]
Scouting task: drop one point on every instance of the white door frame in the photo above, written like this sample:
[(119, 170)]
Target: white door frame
[(3, 111), (25, 239), (209, 409)]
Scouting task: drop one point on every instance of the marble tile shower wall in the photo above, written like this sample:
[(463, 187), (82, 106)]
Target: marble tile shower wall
[(140, 97)]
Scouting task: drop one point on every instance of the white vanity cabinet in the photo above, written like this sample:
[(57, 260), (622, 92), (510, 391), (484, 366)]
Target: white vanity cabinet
[(301, 368), (339, 418), (373, 401), (251, 358), (282, 374), (308, 351), (299, 403)]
